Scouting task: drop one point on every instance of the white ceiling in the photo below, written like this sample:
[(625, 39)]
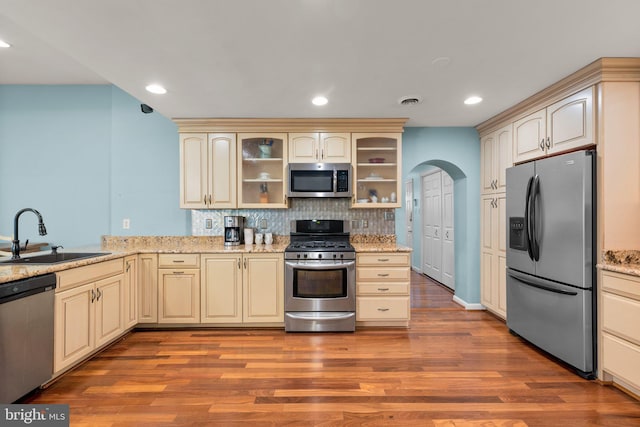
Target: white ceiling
[(268, 58)]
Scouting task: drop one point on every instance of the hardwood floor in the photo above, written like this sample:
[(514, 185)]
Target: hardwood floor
[(451, 368)]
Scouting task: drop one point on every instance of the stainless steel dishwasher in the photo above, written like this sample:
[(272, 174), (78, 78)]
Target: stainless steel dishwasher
[(26, 335)]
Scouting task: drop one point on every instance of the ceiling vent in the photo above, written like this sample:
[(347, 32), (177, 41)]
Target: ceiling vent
[(409, 100)]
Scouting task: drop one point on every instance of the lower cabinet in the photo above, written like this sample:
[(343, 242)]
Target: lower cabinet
[(148, 288), (493, 254), (130, 294), (88, 313), (179, 288), (383, 289), (620, 300), (242, 288)]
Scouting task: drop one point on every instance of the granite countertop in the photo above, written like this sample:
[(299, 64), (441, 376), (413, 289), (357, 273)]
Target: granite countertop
[(627, 262), (121, 246)]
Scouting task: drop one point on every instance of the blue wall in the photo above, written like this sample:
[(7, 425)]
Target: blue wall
[(456, 151), (86, 157)]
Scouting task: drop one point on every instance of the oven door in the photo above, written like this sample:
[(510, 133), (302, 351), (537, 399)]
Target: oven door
[(320, 286)]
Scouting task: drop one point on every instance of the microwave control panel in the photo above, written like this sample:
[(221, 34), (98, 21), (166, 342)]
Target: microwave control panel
[(342, 178)]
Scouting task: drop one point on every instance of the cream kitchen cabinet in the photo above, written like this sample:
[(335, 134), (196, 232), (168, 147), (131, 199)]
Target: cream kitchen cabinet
[(383, 289), (377, 160), (319, 147), (563, 126), (89, 311), (130, 293), (620, 333), (261, 170), (148, 288), (208, 170), (493, 239), (242, 288), (179, 288), (496, 157)]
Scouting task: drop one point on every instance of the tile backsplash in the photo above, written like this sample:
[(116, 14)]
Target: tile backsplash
[(278, 220)]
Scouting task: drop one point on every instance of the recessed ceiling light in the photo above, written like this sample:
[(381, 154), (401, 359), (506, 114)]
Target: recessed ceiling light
[(4, 44), (441, 61), (154, 88), (473, 100), (319, 100)]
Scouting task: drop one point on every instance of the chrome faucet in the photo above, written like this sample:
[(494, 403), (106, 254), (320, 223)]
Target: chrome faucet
[(15, 244)]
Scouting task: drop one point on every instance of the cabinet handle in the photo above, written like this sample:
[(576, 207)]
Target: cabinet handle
[(99, 294), (383, 309), (548, 143), (209, 198), (322, 154), (245, 263), (383, 259), (542, 144), (383, 274), (383, 289), (128, 267), (239, 264), (93, 296), (178, 260), (446, 234), (316, 154)]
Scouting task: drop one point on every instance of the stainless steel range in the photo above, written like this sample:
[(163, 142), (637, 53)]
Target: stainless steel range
[(320, 277)]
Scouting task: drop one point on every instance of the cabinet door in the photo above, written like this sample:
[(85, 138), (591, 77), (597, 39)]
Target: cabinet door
[(335, 147), (221, 290), (263, 288), (304, 147), (109, 311), (503, 157), (130, 292), (193, 171), (179, 296), (222, 178), (570, 122), (487, 154), (148, 289), (74, 325), (529, 134), (377, 160), (262, 181)]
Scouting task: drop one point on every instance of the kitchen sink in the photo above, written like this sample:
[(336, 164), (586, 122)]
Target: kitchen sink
[(54, 258)]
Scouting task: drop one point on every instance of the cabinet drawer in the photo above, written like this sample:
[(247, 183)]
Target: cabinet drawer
[(383, 258), (621, 284), (621, 359), (383, 289), (620, 316), (89, 273), (381, 273), (179, 261), (381, 308)]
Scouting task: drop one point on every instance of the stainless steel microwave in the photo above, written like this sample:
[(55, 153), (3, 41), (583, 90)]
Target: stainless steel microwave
[(319, 180)]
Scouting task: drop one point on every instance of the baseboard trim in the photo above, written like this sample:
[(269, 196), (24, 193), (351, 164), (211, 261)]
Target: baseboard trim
[(466, 305)]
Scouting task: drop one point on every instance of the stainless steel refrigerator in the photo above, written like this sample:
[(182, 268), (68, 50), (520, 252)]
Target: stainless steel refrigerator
[(550, 256)]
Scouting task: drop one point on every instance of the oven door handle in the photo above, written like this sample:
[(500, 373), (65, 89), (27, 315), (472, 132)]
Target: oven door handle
[(320, 265)]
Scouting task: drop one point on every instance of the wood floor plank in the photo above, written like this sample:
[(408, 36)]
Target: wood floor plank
[(450, 368)]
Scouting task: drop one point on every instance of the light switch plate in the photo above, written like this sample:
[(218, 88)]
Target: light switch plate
[(208, 223)]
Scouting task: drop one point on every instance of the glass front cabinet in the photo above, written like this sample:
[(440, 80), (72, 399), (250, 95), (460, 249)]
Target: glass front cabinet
[(377, 160), (262, 170)]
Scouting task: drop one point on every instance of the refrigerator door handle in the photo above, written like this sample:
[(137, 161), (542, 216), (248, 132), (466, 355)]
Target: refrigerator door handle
[(539, 283), (527, 219), (535, 243)]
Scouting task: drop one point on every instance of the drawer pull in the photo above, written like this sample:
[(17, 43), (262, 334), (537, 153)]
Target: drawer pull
[(383, 274), (178, 272), (178, 260), (383, 289), (383, 309), (383, 259)]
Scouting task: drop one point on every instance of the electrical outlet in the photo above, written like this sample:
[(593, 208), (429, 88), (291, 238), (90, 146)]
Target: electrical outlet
[(355, 224), (365, 223), (263, 224), (208, 223), (126, 224), (390, 216)]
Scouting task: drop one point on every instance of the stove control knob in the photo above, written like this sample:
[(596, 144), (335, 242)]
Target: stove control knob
[(319, 256), (298, 256), (305, 255), (335, 256)]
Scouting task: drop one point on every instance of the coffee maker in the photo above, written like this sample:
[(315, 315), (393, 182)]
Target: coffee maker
[(233, 230)]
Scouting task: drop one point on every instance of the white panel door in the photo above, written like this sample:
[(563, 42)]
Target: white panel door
[(432, 225), (448, 256)]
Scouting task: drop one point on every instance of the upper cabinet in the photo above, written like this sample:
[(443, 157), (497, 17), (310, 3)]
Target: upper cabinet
[(377, 169), (563, 126), (207, 171), (261, 170), (319, 147), (495, 152)]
